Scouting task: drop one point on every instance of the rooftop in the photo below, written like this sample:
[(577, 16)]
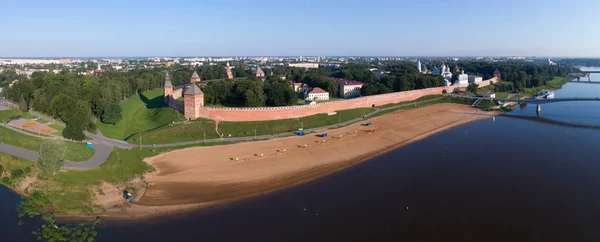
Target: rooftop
[(193, 90), (345, 82), (318, 90), (195, 75)]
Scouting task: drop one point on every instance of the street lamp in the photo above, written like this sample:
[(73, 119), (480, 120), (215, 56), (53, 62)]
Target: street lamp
[(140, 140), (255, 131), (204, 141)]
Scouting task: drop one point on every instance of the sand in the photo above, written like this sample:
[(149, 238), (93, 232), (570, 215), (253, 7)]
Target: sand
[(201, 176)]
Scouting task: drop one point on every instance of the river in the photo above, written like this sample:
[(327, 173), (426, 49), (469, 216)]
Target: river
[(502, 179)]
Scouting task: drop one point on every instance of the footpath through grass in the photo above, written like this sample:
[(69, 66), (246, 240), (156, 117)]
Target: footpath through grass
[(75, 151), (73, 192), (141, 112)]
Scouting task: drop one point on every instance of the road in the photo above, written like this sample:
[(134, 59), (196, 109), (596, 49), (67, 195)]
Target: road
[(104, 146)]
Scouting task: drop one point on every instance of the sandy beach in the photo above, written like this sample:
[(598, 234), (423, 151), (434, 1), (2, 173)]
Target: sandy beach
[(195, 177)]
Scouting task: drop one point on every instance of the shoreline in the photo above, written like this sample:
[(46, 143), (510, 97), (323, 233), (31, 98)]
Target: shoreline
[(182, 184)]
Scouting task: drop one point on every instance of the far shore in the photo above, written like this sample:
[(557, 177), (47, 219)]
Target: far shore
[(199, 177)]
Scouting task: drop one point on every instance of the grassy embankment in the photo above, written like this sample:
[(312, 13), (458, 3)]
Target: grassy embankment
[(72, 193), (14, 169), (74, 152), (196, 130), (555, 83), (142, 112)]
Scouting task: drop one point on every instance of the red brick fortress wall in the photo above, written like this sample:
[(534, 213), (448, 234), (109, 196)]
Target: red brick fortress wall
[(274, 113)]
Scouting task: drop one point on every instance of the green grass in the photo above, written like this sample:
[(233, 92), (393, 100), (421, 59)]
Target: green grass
[(120, 168), (421, 99), (7, 115), (141, 113), (13, 169), (193, 130), (187, 131), (238, 129), (403, 106), (75, 151), (42, 121)]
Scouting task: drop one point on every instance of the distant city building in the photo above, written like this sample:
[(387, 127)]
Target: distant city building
[(317, 94), (303, 65), (349, 88), (379, 73), (475, 79), (297, 86), (446, 73), (551, 62), (228, 73), (463, 79)]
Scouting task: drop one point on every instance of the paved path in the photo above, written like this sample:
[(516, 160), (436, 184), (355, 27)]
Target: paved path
[(104, 146)]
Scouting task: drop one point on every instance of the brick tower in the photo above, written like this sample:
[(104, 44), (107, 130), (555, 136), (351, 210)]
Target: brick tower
[(228, 74), (168, 88), (259, 72), (193, 99), (497, 75), (195, 77)]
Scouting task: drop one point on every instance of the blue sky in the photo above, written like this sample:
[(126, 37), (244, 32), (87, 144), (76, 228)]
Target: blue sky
[(83, 28)]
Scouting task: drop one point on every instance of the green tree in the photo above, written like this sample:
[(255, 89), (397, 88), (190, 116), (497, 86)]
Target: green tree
[(50, 157), (74, 132), (112, 114), (473, 87), (23, 104)]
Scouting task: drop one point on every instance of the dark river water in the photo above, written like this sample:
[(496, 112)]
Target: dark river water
[(506, 179)]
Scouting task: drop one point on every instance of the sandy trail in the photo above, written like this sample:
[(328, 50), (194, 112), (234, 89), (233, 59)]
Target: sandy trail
[(199, 176)]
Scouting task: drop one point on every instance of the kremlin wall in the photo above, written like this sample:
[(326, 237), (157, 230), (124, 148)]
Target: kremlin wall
[(194, 108)]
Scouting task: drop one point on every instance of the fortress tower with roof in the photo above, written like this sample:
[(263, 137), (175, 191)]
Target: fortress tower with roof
[(193, 97)]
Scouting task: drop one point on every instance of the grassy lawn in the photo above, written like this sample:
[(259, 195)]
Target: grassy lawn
[(75, 151), (121, 167), (238, 129), (407, 107), (195, 130), (188, 131), (13, 169), (142, 112), (42, 121), (421, 99), (9, 114)]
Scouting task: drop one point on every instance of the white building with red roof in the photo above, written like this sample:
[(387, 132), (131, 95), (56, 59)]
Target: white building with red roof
[(317, 94), (349, 88)]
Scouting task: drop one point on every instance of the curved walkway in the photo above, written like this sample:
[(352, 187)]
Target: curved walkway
[(104, 146)]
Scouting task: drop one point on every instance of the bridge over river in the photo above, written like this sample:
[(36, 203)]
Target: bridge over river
[(584, 74), (539, 102)]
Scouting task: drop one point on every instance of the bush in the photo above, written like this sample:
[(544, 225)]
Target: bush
[(17, 174), (6, 181), (1, 170)]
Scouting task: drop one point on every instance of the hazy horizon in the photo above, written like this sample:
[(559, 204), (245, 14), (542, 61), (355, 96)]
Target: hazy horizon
[(436, 28)]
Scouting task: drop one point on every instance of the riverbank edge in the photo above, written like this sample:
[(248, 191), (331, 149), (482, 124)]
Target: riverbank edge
[(21, 190), (313, 174)]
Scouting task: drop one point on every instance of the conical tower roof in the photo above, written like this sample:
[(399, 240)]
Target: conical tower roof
[(195, 75), (168, 80), (259, 71), (193, 90)]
